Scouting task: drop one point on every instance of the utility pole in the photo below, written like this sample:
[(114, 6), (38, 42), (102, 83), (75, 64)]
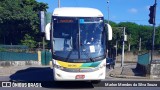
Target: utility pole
[(42, 18), (123, 44), (59, 3), (154, 29), (129, 44), (116, 48), (152, 20), (122, 61), (140, 41), (108, 10), (108, 51)]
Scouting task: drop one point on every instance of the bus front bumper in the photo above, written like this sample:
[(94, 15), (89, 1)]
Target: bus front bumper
[(60, 75)]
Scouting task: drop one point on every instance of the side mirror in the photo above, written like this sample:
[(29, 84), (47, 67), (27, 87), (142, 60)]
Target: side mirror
[(47, 31), (110, 33)]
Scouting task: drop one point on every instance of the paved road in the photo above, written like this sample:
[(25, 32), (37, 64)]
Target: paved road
[(32, 74), (41, 74)]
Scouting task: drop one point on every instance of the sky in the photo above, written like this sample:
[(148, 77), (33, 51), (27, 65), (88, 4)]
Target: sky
[(136, 11)]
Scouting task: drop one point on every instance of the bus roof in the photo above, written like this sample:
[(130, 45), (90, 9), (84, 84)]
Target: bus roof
[(77, 12)]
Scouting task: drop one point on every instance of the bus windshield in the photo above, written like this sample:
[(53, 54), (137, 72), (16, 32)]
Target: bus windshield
[(78, 39)]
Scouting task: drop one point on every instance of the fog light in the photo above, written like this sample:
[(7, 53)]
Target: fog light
[(58, 75), (101, 74)]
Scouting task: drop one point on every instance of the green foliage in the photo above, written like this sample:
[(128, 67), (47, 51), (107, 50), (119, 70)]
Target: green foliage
[(19, 24), (18, 18), (134, 32), (2, 50), (157, 38), (28, 41)]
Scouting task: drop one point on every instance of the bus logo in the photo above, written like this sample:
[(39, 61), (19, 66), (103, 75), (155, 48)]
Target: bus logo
[(72, 65)]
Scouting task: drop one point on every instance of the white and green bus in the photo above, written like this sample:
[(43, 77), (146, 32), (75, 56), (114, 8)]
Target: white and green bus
[(78, 44)]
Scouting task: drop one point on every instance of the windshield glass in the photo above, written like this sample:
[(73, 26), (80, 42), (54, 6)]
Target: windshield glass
[(78, 39), (91, 37)]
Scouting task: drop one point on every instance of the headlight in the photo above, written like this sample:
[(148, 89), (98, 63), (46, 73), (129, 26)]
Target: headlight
[(103, 65), (58, 67), (100, 66)]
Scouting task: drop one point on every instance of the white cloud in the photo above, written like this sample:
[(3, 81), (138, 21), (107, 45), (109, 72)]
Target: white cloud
[(133, 10)]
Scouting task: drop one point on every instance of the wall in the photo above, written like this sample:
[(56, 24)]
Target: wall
[(22, 58), (155, 69), (128, 57)]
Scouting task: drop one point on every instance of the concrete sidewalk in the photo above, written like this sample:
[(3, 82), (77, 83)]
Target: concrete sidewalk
[(128, 72)]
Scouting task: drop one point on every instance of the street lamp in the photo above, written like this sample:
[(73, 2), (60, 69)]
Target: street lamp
[(122, 62), (124, 39), (108, 23), (153, 34), (58, 3), (108, 10)]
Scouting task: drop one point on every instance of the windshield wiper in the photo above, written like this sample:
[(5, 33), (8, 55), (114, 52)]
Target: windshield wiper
[(68, 56), (87, 55)]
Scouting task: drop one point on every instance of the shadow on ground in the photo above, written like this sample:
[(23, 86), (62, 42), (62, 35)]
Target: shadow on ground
[(44, 75), (138, 72)]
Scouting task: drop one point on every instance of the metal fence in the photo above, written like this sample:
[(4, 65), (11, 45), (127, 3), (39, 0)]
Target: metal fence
[(14, 46), (144, 59), (46, 57), (23, 53), (143, 63), (17, 56)]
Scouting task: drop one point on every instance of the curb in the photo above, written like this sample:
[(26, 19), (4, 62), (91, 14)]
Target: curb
[(117, 73), (129, 77)]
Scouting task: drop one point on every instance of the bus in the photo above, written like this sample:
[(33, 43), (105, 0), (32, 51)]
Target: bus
[(78, 44)]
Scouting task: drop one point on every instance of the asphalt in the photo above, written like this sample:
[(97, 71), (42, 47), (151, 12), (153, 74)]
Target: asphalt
[(9, 70), (127, 71)]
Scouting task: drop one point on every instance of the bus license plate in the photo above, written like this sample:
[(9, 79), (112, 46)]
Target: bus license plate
[(80, 76)]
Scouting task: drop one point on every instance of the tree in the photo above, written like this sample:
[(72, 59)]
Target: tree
[(28, 41), (157, 38), (132, 31), (145, 33), (18, 18), (138, 36)]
